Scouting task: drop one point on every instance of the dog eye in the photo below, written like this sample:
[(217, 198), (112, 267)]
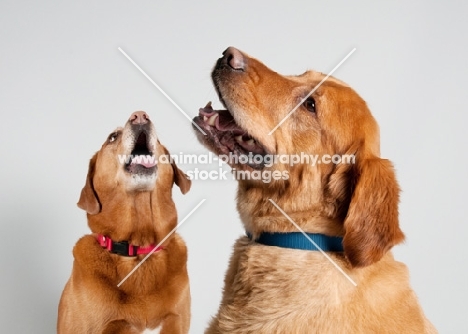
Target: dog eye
[(112, 137), (309, 104)]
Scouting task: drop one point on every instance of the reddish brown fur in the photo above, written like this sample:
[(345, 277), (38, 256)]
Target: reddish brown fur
[(277, 290), (157, 294), (372, 222)]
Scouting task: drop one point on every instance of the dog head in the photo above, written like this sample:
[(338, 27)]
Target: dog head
[(128, 163), (271, 114)]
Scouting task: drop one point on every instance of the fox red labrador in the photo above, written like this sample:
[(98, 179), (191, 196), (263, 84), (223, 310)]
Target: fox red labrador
[(278, 280), (128, 200)]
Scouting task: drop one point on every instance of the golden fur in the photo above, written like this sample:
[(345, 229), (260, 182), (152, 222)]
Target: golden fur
[(278, 290), (141, 212)]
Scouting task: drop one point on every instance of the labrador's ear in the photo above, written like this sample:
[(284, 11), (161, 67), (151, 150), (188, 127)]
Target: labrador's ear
[(89, 200), (180, 178), (371, 224)]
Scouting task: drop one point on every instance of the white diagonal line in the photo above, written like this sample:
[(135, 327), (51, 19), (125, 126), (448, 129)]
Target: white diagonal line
[(313, 242), (311, 92), (160, 243), (162, 92)]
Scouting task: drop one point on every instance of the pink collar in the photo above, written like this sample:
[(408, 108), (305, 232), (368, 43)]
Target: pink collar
[(124, 248)]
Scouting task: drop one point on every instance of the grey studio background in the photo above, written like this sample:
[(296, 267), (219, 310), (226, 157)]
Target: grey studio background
[(65, 86)]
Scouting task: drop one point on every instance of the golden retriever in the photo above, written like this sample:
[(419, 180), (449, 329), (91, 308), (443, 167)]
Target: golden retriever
[(130, 210), (271, 289)]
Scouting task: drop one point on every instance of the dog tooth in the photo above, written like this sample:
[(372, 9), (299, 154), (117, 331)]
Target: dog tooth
[(239, 139), (205, 118), (250, 142), (212, 119)]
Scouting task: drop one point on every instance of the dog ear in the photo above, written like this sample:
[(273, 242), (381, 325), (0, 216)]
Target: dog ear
[(181, 179), (371, 224), (89, 200)]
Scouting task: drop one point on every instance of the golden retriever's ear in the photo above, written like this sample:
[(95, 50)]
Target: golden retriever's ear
[(371, 225), (88, 199), (181, 179)]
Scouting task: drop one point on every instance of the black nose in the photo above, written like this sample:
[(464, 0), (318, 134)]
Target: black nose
[(234, 59)]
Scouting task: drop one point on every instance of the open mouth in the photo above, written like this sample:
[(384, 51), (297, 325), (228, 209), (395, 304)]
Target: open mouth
[(229, 138), (141, 161)]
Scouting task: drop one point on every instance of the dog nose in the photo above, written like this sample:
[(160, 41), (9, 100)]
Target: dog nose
[(234, 58), (139, 117)]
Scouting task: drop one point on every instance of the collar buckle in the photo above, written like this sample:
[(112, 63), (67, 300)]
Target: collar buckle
[(123, 248)]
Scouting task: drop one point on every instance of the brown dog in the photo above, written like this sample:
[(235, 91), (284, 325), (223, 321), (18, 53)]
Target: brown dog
[(277, 282), (130, 210)]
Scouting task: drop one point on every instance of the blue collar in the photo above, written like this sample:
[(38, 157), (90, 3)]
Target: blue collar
[(297, 240)]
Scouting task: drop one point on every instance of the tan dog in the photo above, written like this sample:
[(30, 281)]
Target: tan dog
[(271, 289), (130, 210)]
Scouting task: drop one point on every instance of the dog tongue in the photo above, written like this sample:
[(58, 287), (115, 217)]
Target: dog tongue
[(144, 160)]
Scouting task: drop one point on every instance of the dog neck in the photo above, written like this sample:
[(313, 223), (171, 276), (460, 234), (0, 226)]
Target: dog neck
[(307, 229), (271, 209), (136, 218), (306, 221)]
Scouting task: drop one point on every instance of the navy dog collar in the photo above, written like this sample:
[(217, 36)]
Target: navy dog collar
[(297, 240)]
